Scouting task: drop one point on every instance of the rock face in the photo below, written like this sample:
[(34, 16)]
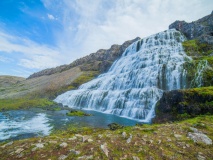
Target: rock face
[(99, 61), (180, 104), (201, 29)]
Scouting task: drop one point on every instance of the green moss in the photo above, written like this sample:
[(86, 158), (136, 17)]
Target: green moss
[(77, 113), (195, 48), (183, 116), (192, 67), (23, 103), (85, 77), (204, 91)]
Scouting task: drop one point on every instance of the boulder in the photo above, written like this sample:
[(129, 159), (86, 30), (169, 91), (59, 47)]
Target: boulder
[(114, 126), (200, 138)]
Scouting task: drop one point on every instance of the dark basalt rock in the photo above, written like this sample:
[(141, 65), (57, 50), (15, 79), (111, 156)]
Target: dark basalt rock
[(201, 29), (180, 104)]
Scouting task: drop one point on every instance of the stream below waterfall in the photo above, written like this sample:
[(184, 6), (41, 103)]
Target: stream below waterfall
[(20, 124)]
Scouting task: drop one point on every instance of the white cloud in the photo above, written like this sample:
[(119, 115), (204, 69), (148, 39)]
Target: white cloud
[(100, 24), (88, 25), (33, 55), (51, 17), (5, 59)]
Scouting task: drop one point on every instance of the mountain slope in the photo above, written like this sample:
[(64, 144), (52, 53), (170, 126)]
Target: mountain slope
[(51, 82), (99, 61)]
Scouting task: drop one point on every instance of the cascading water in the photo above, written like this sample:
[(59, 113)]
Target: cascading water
[(197, 81), (137, 80)]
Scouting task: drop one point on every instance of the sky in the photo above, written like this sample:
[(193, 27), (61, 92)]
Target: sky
[(40, 34)]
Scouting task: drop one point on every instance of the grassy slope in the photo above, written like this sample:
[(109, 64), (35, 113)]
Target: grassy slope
[(148, 142), (39, 92), (23, 103)]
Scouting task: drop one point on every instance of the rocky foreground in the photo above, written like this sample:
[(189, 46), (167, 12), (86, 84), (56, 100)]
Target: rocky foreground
[(189, 139)]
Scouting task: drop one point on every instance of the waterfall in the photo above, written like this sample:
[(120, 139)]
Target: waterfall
[(197, 81), (136, 81)]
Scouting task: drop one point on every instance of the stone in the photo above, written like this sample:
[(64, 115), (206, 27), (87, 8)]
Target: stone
[(73, 138), (75, 152), (200, 137), (104, 149), (34, 149), (114, 126), (90, 140), (19, 150), (195, 130), (124, 134), (178, 136), (145, 135), (78, 135), (39, 145), (169, 140), (129, 139), (187, 145), (135, 158), (200, 157), (53, 142), (100, 136), (159, 141), (62, 157), (63, 145), (20, 155), (7, 144), (86, 157), (85, 138)]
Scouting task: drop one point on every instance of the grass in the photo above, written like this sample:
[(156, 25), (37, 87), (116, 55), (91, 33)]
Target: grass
[(205, 91), (155, 141), (51, 92), (85, 77), (77, 113), (23, 103), (195, 48)]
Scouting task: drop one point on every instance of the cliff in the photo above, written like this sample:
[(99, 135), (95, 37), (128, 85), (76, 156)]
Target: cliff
[(201, 29)]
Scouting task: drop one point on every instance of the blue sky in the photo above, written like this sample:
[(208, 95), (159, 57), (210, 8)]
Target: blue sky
[(39, 34)]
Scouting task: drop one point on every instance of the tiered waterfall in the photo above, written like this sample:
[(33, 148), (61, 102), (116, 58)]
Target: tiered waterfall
[(136, 81)]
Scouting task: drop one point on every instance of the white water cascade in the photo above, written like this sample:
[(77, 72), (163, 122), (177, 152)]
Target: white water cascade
[(136, 81)]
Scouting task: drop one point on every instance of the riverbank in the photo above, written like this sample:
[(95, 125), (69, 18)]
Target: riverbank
[(179, 140)]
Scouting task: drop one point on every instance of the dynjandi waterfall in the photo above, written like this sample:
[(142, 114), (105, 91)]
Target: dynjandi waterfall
[(136, 81)]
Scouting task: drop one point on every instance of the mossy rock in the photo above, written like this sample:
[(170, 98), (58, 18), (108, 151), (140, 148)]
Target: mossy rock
[(184, 104), (114, 126), (202, 60), (77, 113)]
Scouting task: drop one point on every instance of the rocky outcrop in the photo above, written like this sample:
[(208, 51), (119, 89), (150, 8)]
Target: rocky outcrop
[(198, 136), (99, 61), (181, 104), (201, 29)]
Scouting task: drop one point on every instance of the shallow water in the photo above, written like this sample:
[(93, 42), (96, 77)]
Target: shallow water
[(20, 124)]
